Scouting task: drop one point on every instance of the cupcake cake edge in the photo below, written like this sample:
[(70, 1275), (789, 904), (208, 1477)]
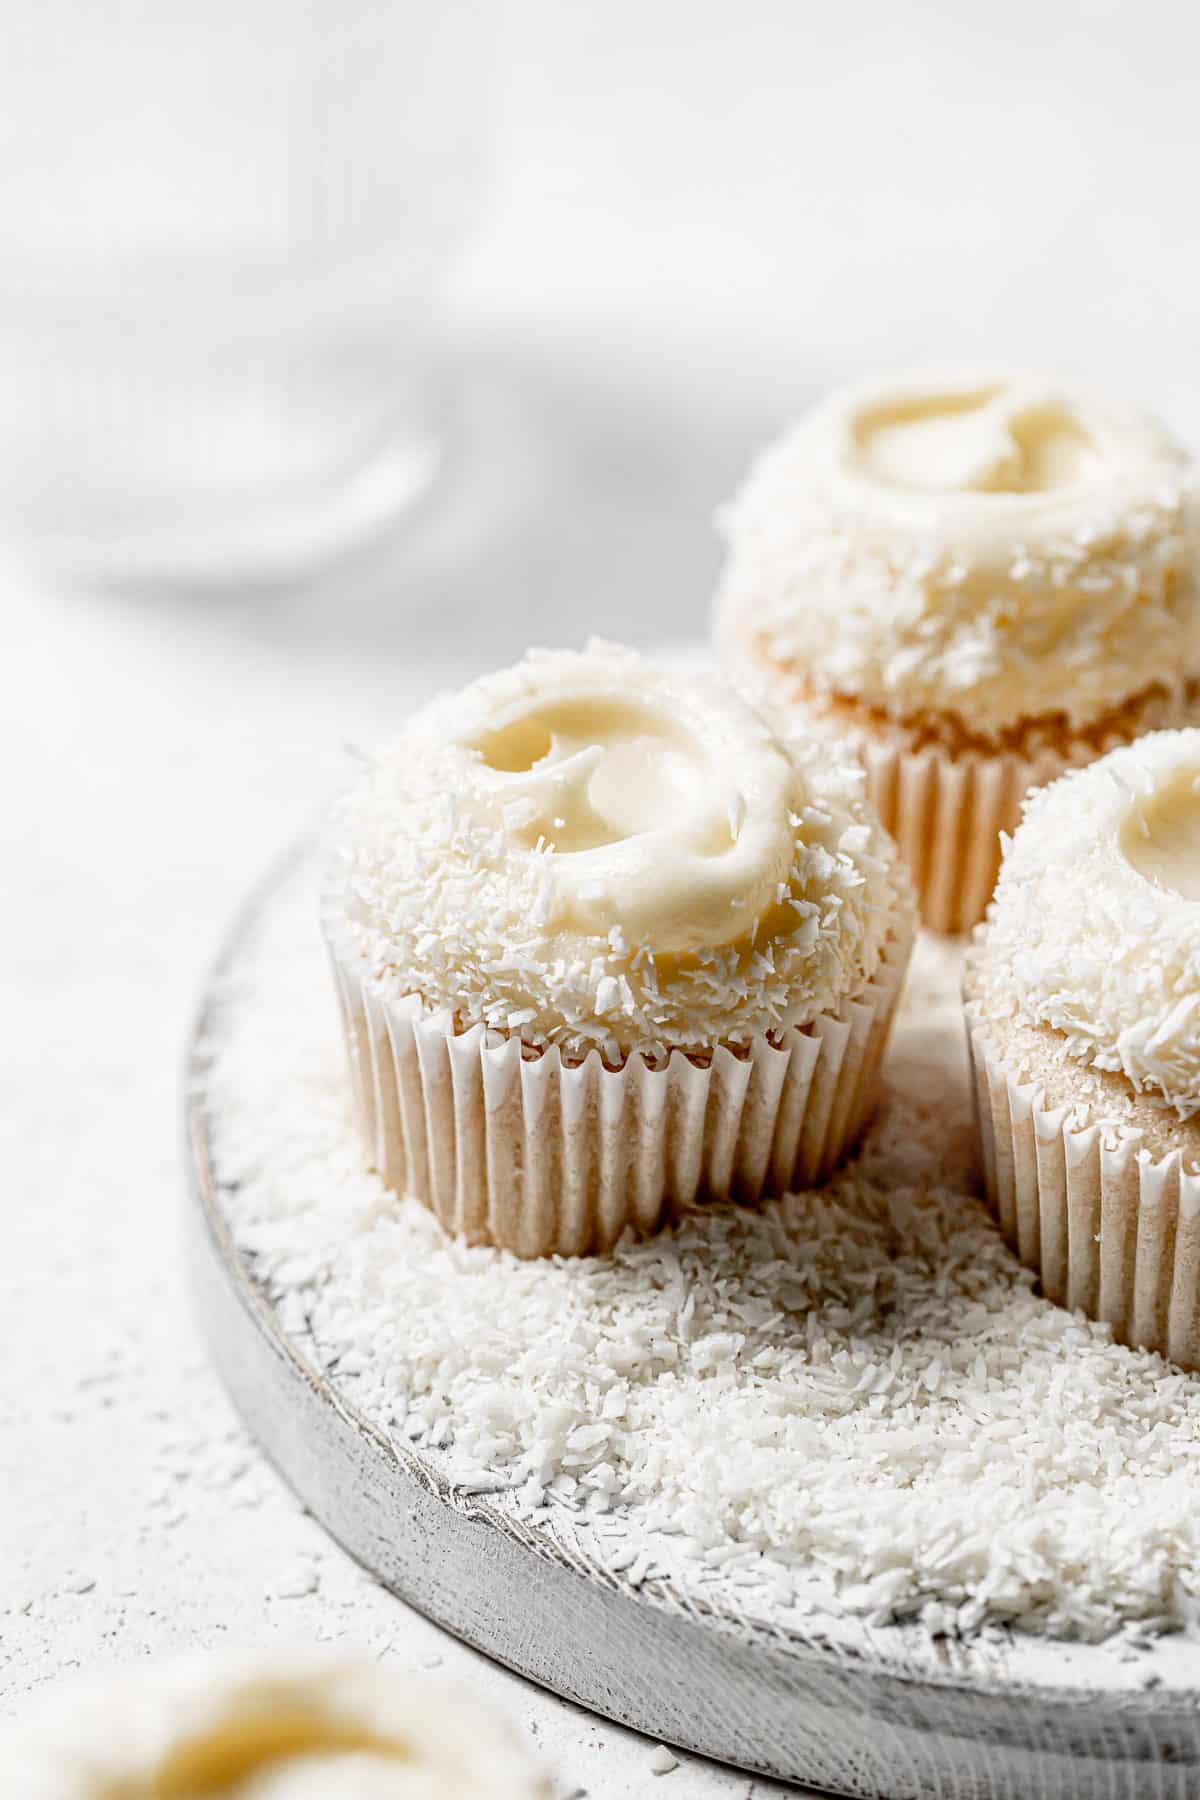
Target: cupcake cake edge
[(1111, 1229), (516, 1145)]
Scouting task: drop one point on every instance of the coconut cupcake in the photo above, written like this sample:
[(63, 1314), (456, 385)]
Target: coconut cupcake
[(605, 944), (980, 581), (263, 1726), (1083, 1016)]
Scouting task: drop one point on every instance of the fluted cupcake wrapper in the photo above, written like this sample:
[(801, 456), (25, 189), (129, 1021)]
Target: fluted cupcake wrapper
[(1111, 1231), (946, 813), (946, 808), (510, 1145)]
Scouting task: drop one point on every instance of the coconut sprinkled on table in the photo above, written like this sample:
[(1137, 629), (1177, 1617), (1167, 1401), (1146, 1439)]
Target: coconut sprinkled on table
[(852, 1398)]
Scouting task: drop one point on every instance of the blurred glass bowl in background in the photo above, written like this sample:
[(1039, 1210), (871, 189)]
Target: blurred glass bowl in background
[(222, 231)]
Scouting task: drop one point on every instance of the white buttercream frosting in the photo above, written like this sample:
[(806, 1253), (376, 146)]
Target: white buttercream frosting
[(265, 1726), (1095, 925), (989, 546), (585, 850)]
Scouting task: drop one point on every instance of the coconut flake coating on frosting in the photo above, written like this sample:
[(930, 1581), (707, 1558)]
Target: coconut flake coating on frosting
[(986, 545), (585, 850), (1095, 925)]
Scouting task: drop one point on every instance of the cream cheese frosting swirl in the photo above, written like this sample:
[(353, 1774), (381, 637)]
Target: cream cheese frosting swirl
[(985, 545), (1095, 925), (586, 850), (266, 1726)]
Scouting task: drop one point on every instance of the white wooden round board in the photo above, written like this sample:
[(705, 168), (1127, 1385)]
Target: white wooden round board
[(830, 1701)]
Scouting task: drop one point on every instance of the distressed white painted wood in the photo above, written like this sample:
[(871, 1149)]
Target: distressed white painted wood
[(888, 1713)]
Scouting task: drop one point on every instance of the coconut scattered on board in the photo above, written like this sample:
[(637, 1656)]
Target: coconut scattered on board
[(852, 1397)]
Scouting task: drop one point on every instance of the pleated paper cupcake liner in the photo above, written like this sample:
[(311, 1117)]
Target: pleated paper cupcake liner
[(946, 813), (945, 808), (508, 1144), (1110, 1230)]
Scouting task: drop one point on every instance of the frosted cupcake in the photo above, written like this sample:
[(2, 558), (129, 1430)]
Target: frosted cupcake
[(1083, 1015), (981, 581), (263, 1726), (606, 944)]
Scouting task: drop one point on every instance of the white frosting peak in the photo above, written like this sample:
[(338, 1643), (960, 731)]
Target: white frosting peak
[(668, 821), (266, 1726), (586, 850), (1009, 439), (1161, 833), (985, 546), (1095, 925)]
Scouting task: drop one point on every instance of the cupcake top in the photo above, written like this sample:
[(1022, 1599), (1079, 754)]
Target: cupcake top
[(989, 546), (1095, 925), (262, 1726), (586, 850)]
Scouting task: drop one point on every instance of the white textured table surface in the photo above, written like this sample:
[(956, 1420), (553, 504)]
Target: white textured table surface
[(158, 754), (696, 223), (137, 1515)]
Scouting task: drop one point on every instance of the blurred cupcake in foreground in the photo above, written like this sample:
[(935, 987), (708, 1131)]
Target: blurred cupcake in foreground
[(1083, 1016), (980, 580), (263, 1726), (606, 944)]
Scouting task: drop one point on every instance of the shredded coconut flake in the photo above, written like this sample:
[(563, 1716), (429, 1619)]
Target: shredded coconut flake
[(429, 892), (991, 607), (1078, 940), (849, 1400)]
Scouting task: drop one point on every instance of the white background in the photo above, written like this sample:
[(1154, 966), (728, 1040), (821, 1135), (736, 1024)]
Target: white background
[(700, 215)]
